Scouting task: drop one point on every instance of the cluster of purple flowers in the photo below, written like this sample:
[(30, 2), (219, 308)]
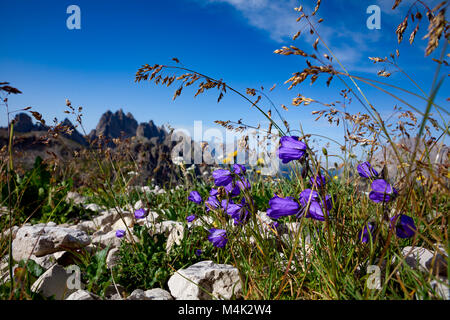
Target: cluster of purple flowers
[(309, 205), (382, 191), (403, 224), (232, 182)]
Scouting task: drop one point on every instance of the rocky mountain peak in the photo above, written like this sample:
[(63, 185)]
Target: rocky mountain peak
[(113, 124), (24, 123)]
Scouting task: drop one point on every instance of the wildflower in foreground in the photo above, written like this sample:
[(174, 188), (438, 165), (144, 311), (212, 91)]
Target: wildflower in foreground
[(404, 226), (191, 218), (212, 203), (238, 212), (365, 170), (243, 184), (198, 252), (291, 149), (239, 169), (218, 237), (120, 233), (280, 207), (367, 232), (232, 190), (222, 177), (318, 181), (315, 204), (382, 191), (195, 197), (139, 214)]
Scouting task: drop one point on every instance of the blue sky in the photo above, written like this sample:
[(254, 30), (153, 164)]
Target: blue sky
[(229, 39)]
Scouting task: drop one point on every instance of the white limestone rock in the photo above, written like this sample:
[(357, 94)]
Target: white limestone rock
[(40, 240), (441, 289), (174, 230), (75, 197), (106, 239), (82, 295), (93, 207), (219, 280), (56, 282), (152, 294), (424, 259), (120, 224)]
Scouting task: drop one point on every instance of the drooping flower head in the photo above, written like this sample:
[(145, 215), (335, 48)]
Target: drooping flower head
[(316, 205), (212, 203), (281, 207), (222, 177), (291, 149), (140, 213), (243, 184), (367, 232), (365, 170), (213, 192), (318, 181), (239, 169), (238, 212), (404, 226), (218, 237), (225, 203), (120, 233), (191, 218), (233, 190), (382, 191), (195, 197)]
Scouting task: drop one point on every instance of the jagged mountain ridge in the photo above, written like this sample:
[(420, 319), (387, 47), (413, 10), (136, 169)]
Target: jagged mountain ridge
[(150, 145), (119, 124), (111, 125)]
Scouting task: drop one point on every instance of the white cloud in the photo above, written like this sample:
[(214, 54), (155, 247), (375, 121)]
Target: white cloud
[(278, 18)]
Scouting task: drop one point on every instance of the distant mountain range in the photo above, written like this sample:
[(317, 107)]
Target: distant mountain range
[(119, 124), (151, 145)]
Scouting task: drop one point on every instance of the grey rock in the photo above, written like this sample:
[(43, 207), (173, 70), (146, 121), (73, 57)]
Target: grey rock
[(152, 294), (441, 288), (87, 226), (106, 218), (107, 239), (92, 207), (424, 259), (205, 279), (82, 295), (75, 197), (158, 294), (6, 233), (112, 258), (54, 282), (174, 230), (45, 262), (41, 240)]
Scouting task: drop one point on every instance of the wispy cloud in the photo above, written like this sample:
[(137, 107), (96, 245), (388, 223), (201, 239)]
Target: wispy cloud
[(277, 18)]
